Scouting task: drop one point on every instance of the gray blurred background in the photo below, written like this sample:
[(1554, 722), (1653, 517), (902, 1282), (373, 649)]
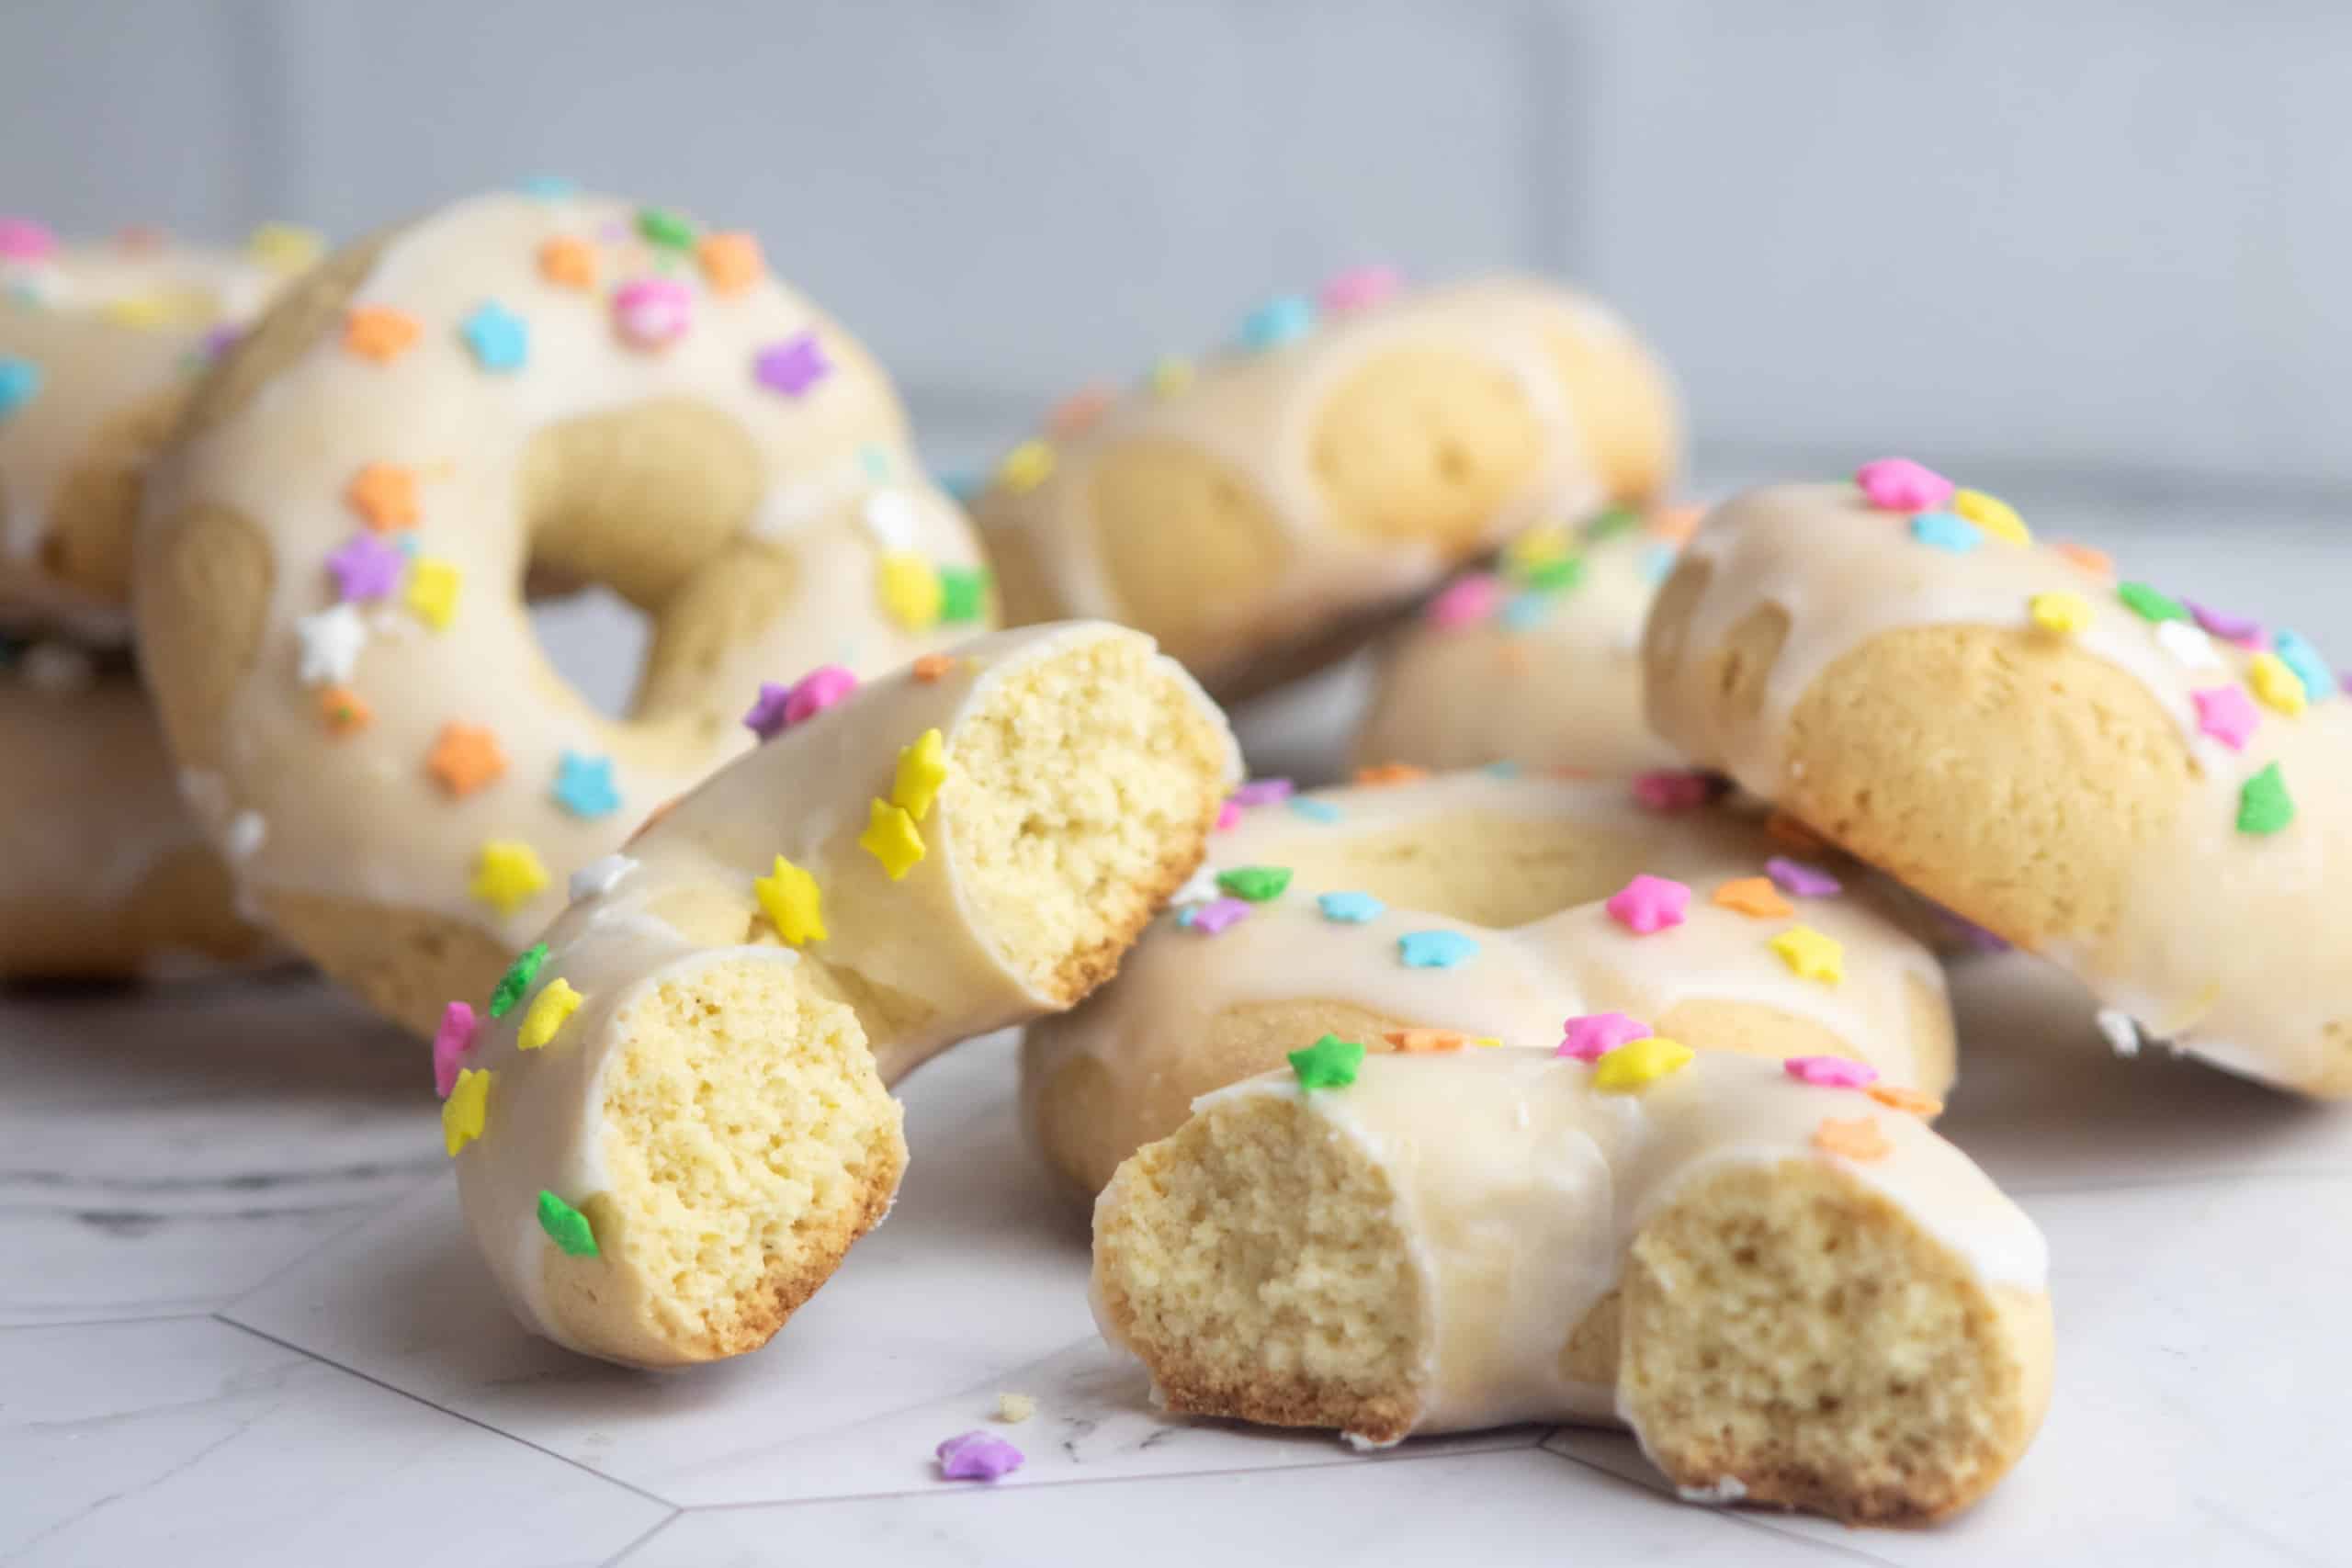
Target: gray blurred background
[(2094, 255)]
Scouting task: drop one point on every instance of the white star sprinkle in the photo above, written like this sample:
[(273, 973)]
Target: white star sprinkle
[(1201, 888), (246, 831), (2189, 645), (331, 643), (597, 878), (892, 518), (2120, 1031)]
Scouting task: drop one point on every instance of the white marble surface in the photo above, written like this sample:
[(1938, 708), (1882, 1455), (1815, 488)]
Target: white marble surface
[(239, 1323)]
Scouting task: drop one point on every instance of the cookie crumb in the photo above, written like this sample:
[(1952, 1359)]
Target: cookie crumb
[(1014, 1408)]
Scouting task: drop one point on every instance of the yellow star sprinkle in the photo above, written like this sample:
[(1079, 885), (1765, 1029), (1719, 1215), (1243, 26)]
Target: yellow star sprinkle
[(788, 895), (2060, 613), (1026, 467), (556, 1001), (285, 247), (1637, 1063), (1171, 375), (507, 875), (922, 768), (890, 838), (1540, 546), (2276, 682), (1813, 955), (145, 311), (463, 1112), (910, 590), (432, 591), (1993, 515)]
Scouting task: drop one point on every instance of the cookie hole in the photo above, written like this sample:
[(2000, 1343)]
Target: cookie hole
[(597, 642)]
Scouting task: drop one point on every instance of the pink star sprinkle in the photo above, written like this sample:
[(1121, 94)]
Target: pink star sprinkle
[(1359, 288), (1648, 905), (793, 365), (976, 1456), (1217, 914), (1898, 484), (1593, 1036), (817, 691), (22, 238), (1260, 791), (1799, 880), (2227, 715), (1673, 789), (1830, 1072), (2244, 630), (1465, 600), (450, 1043), (1228, 816), (652, 312), (366, 568)]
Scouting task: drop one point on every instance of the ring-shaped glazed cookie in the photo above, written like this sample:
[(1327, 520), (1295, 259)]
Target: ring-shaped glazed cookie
[(1472, 906), (330, 584), (1260, 512), (2148, 789)]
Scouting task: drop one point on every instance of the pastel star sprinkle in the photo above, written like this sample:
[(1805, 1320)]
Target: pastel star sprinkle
[(1552, 576), (793, 365), (500, 339), (933, 666), (2150, 604), (465, 1110), (663, 227), (384, 494), (556, 1002), (963, 594), (329, 642), (1262, 792), (1256, 883), (517, 979), (1898, 484), (1171, 376), (730, 262), (366, 568), (569, 262), (465, 758), (26, 239), (432, 586), (2227, 715), (1424, 1042), (1315, 810), (1215, 916), (1078, 413), (1637, 1063), (1648, 905), (1590, 1036), (977, 1456), (379, 332), (922, 768), (1799, 880), (1673, 789), (1945, 530), (451, 1042), (766, 717), (652, 312), (890, 838), (598, 876), (2296, 652), (1811, 954), (1285, 319), (1992, 515), (2059, 613), (343, 710), (1379, 774), (790, 897), (1754, 897), (19, 383), (2122, 1030), (1359, 288), (1026, 467), (2242, 630), (1830, 1072), (2190, 647), (1330, 1063), (508, 874), (583, 784), (284, 247), (2264, 804), (566, 1226), (1350, 908), (817, 691), (910, 589), (2277, 685), (1435, 950), (1466, 602), (1858, 1139), (1910, 1102)]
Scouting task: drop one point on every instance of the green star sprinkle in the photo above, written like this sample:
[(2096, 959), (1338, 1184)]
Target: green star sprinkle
[(2149, 605), (566, 1226), (1255, 883), (665, 228), (1555, 576), (1611, 524), (1330, 1063), (517, 979), (2264, 804), (962, 593)]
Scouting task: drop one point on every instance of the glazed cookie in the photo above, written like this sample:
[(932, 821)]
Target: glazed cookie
[(330, 586), (2147, 790), (99, 346), (678, 1120), (1538, 663), (1258, 512), (103, 873), (1791, 1295), (1491, 907)]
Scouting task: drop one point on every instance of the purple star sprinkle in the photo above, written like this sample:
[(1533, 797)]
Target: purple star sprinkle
[(1261, 792), (2244, 630), (766, 719), (975, 1456), (1217, 914), (1800, 880), (366, 568), (793, 365)]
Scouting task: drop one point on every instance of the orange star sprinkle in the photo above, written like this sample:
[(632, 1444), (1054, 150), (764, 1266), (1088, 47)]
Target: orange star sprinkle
[(1858, 1140), (465, 758), (384, 494), (1390, 774), (1894, 1097), (1754, 897), (1794, 833), (1675, 524), (568, 261), (379, 332), (2098, 563), (1414, 1041), (933, 666), (732, 262), (343, 710), (1074, 414)]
